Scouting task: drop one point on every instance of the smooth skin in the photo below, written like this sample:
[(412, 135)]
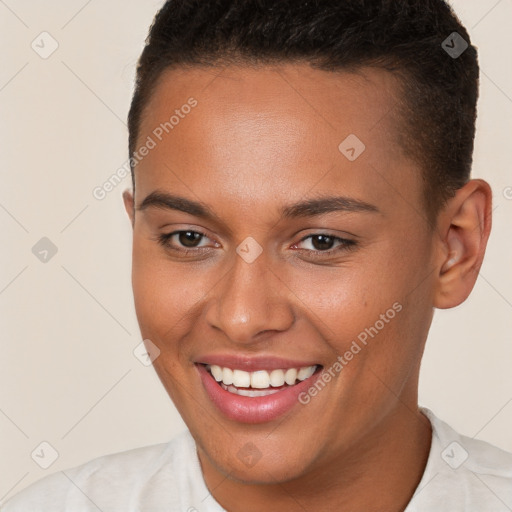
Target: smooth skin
[(258, 140)]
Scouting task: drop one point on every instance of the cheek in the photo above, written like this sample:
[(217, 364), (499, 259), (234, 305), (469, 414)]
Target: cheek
[(343, 301), (376, 309), (164, 293)]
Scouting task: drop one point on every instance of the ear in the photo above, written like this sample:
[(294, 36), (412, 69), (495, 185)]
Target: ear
[(464, 227), (129, 205)]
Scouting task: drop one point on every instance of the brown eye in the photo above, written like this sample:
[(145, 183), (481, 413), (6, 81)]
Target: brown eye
[(322, 242), (189, 238), (324, 245), (184, 240)]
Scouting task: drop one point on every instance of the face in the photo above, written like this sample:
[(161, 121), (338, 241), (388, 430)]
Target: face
[(267, 238)]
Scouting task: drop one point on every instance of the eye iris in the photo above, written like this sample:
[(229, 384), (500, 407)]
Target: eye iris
[(325, 242), (189, 238)]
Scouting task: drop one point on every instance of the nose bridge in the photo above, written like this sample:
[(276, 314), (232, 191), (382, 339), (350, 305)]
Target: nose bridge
[(248, 300)]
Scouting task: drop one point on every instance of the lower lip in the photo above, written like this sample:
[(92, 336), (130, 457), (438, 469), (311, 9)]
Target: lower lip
[(259, 409)]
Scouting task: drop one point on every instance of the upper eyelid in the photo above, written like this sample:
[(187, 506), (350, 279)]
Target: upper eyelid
[(325, 233), (339, 239), (169, 232), (169, 235)]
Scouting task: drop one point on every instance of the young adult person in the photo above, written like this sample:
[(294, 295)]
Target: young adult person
[(301, 205)]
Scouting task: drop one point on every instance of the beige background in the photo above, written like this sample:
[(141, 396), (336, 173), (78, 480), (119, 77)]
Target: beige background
[(68, 374)]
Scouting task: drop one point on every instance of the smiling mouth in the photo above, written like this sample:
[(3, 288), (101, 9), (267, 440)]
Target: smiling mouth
[(260, 382)]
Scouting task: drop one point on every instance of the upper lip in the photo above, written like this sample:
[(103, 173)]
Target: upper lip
[(252, 363)]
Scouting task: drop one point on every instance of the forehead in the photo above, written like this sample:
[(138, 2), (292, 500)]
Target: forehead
[(295, 95), (271, 132)]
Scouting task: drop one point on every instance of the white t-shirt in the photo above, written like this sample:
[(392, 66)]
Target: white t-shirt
[(462, 474)]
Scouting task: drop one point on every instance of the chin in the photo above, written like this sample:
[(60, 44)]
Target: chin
[(250, 465)]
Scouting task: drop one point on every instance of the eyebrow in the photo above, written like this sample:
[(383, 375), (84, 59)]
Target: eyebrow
[(308, 208), (327, 204)]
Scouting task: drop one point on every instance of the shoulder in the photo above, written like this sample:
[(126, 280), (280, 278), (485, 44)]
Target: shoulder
[(116, 481), (463, 470)]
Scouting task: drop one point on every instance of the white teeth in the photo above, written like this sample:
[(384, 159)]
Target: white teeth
[(216, 372), (260, 379), (277, 378), (290, 376), (250, 392), (305, 373), (227, 376), (241, 379)]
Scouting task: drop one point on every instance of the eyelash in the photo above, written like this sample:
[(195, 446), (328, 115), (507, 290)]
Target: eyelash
[(164, 240), (345, 244)]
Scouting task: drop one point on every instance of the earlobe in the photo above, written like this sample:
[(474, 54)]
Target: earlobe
[(466, 227), (129, 205)]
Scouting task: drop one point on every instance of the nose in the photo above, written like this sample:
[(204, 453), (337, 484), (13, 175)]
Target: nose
[(249, 300)]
